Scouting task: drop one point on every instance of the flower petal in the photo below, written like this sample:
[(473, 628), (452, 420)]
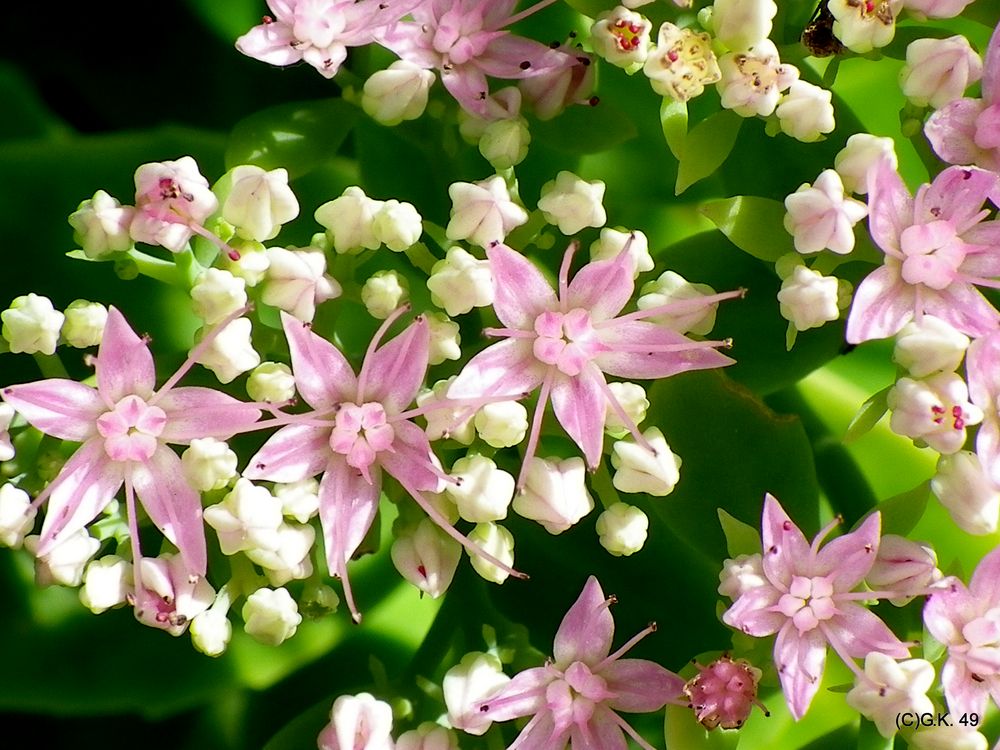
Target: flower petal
[(272, 43), (580, 406), (323, 377), (965, 695), (991, 69), (507, 368), (947, 612), (173, 505), (985, 582), (786, 551), (753, 613), (61, 408), (347, 508), (801, 659), (520, 292), (124, 362), (195, 412), (603, 287), (641, 686), (859, 632), (291, 454), (395, 371), (601, 732), (890, 207), (586, 630), (951, 131), (982, 365), (410, 459), (963, 307), (956, 196), (883, 304), (524, 695), (848, 558), (654, 363)]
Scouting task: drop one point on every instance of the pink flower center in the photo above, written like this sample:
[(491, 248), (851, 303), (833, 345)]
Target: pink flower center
[(131, 429), (954, 419), (360, 433), (808, 602), (723, 693), (574, 697), (933, 254), (318, 22), (567, 341), (460, 37), (983, 637)]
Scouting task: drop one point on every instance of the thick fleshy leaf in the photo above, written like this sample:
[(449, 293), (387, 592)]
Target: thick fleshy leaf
[(580, 406), (890, 207), (347, 508), (292, 453), (323, 377), (753, 614), (520, 292), (62, 408), (957, 196), (124, 362), (195, 412), (706, 147), (786, 551), (524, 695), (883, 304), (801, 659), (602, 288), (410, 458), (641, 686), (859, 632), (587, 629), (394, 373), (173, 506), (755, 225), (848, 558), (668, 352), (507, 368)]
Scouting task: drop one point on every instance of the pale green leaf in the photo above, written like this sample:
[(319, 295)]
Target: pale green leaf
[(904, 511), (674, 121), (868, 415), (755, 225), (741, 538), (706, 147)]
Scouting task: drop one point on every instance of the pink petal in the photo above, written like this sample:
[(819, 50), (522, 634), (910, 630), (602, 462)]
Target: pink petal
[(601, 732), (786, 551), (982, 365), (801, 659), (890, 207), (469, 87), (586, 630), (541, 734), (641, 686), (195, 412), (347, 508), (883, 304), (323, 377), (505, 54), (507, 368), (395, 372), (848, 558), (602, 288), (948, 611), (580, 406), (964, 693), (988, 447), (88, 481), (951, 131), (991, 69), (173, 506), (985, 582), (271, 43), (521, 293), (647, 365), (752, 612), (859, 632), (61, 408), (124, 362), (410, 458), (524, 695), (291, 454), (963, 307), (956, 196)]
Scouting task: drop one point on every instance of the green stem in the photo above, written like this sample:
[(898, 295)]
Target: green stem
[(155, 268), (50, 365), (188, 268), (604, 486), (421, 257)]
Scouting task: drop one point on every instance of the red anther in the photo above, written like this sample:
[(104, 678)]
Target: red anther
[(266, 20), (959, 423), (635, 28), (938, 409), (422, 571), (672, 55), (619, 24), (956, 411)]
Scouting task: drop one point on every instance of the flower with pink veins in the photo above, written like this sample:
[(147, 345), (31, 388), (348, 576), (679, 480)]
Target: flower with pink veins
[(566, 341), (967, 131), (125, 426), (319, 31), (967, 621), (808, 599), (359, 426), (574, 699), (466, 41), (982, 364), (937, 248)]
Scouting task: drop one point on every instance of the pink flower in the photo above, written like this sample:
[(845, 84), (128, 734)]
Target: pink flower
[(937, 247), (967, 131), (808, 599), (967, 621), (565, 342), (359, 427), (125, 426), (574, 699), (982, 364)]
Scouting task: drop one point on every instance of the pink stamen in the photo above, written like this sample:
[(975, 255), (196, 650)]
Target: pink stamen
[(536, 429), (527, 12), (651, 628), (681, 305), (633, 428), (373, 345), (564, 267)]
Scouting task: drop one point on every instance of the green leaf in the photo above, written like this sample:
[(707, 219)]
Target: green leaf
[(741, 538), (868, 415), (674, 121), (682, 730), (755, 225), (585, 130), (706, 147), (227, 18), (298, 136), (900, 514), (870, 739)]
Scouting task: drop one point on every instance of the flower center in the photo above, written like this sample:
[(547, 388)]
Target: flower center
[(874, 11), (130, 429), (460, 37), (933, 254), (360, 433), (808, 602), (955, 418), (628, 35), (318, 22), (566, 341), (759, 73), (572, 699)]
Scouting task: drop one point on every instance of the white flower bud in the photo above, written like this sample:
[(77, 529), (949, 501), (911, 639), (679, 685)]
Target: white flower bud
[(84, 323), (935, 410), (208, 464), (622, 529), (17, 517), (504, 143), (862, 26), (924, 9), (858, 158), (445, 338), (682, 63), (752, 81), (247, 518), (6, 446), (444, 422), (966, 492), (555, 493), (505, 104), (502, 424), (397, 93), (806, 112), (741, 24), (948, 738), (211, 632), (890, 688), (938, 71), (397, 225), (166, 581), (271, 616), (460, 282), (107, 583), (272, 382), (173, 189), (349, 221), (101, 225), (384, 292), (251, 266), (31, 325), (929, 346), (498, 542), (903, 566), (428, 736), (808, 299), (231, 352), (427, 558), (217, 294), (740, 574), (358, 722), (64, 564), (821, 217), (483, 492), (672, 287), (466, 685), (572, 203), (621, 37), (259, 202), (483, 212), (632, 398), (612, 242), (639, 470), (299, 500), (291, 559), (296, 282)]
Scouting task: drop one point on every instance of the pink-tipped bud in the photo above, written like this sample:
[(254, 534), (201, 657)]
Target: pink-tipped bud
[(724, 692), (905, 567)]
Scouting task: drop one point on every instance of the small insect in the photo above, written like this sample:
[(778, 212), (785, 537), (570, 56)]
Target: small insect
[(817, 37)]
